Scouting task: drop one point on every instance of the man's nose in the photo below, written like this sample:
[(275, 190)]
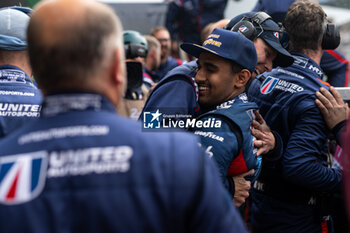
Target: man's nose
[(200, 77), (269, 65)]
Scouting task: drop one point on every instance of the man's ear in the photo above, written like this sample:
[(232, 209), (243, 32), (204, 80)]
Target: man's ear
[(153, 54), (116, 85), (242, 78), (118, 69)]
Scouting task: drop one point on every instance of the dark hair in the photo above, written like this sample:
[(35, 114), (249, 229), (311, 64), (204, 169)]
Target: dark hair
[(79, 53), (236, 68), (304, 23)]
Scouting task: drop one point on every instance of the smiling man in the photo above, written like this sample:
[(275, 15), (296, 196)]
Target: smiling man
[(226, 61), (178, 93)]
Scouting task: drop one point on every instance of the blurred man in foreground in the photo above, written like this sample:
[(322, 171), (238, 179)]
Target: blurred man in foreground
[(82, 168)]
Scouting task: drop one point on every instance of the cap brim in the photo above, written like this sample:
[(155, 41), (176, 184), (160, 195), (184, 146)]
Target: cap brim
[(195, 49), (283, 58)]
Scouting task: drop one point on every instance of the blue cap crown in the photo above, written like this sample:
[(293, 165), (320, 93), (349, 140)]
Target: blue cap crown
[(226, 44)]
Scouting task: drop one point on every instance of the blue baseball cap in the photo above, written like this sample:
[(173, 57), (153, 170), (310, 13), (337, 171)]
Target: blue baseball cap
[(267, 30), (13, 28), (226, 44)]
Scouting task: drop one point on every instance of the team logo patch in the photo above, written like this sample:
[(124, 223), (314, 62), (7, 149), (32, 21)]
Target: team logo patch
[(12, 76), (277, 35), (251, 114), (300, 61), (22, 177), (268, 85), (243, 28)]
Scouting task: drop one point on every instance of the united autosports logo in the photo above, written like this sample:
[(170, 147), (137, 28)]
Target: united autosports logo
[(22, 177), (272, 83), (268, 85)]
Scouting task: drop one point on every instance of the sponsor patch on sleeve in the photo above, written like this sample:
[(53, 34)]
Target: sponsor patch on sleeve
[(272, 83)]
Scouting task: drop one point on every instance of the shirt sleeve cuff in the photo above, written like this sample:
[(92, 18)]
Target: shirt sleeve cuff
[(276, 153)]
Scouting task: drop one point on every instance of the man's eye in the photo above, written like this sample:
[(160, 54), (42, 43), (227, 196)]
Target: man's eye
[(268, 53), (210, 69)]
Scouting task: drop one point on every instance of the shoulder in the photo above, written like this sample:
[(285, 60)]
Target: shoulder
[(332, 59), (187, 69), (173, 91), (174, 61), (176, 82)]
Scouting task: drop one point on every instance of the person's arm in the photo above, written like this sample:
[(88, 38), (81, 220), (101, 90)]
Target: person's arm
[(335, 112), (268, 143), (336, 67), (241, 187), (173, 97), (304, 160)]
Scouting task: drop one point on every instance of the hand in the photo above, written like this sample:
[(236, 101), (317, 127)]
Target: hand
[(332, 106), (265, 140), (242, 187)]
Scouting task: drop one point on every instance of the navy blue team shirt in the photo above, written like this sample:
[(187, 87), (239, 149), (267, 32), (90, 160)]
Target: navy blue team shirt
[(20, 99), (286, 100)]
